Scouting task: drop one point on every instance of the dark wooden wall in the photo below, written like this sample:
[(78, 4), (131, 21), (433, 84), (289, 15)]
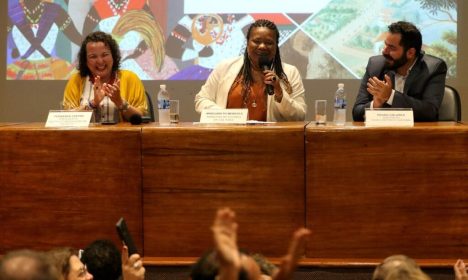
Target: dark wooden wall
[(365, 193)]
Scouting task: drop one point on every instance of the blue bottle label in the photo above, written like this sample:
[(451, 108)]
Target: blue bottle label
[(163, 104), (340, 103)]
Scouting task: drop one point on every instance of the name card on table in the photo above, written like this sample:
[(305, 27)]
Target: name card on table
[(68, 118), (232, 116), (389, 117)]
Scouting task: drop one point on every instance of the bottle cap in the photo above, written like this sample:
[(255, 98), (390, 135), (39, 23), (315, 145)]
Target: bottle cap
[(340, 85), (163, 86)]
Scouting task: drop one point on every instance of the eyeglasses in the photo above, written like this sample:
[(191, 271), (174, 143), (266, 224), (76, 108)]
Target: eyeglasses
[(80, 253), (83, 272)]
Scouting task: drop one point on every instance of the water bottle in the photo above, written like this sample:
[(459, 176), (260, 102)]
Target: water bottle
[(164, 106), (339, 117)]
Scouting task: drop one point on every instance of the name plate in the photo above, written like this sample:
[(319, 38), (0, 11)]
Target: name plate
[(231, 116), (389, 117), (68, 118)]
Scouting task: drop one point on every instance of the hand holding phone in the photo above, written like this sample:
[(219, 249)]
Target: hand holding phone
[(125, 236)]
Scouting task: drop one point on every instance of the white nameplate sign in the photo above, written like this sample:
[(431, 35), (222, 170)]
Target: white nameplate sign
[(68, 118), (232, 116), (389, 118)]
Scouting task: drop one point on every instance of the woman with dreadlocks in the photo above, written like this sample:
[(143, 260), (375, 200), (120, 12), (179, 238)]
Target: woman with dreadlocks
[(259, 81)]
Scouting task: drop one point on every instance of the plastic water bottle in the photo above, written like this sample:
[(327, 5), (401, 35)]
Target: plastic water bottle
[(164, 106), (339, 117)]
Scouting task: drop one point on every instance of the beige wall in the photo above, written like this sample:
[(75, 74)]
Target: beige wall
[(22, 101)]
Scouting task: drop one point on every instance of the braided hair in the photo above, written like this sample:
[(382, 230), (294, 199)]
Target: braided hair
[(246, 72)]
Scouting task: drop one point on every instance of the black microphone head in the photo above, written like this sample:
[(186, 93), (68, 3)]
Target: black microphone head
[(264, 62), (135, 119)]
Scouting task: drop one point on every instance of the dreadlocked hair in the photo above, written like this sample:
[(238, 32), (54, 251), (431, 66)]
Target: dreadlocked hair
[(245, 74)]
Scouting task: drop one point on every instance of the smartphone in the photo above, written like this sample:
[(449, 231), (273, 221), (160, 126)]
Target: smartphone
[(125, 236)]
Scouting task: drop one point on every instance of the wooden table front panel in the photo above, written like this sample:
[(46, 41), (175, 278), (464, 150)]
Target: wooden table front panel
[(68, 187), (376, 192), (191, 171)]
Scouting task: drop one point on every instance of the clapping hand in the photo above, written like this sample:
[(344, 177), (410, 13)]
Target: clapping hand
[(380, 90), (98, 91), (113, 92)]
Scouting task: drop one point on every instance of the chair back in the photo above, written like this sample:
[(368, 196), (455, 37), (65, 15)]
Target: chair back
[(150, 114), (450, 109)]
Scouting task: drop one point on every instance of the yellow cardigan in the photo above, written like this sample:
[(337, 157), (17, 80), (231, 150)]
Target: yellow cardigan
[(131, 90)]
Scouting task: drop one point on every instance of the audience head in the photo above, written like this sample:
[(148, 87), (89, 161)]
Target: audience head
[(68, 264), (207, 268), (399, 267), (26, 265), (99, 55), (103, 260), (266, 267)]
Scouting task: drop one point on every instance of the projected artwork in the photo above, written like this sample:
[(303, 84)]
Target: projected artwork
[(185, 39)]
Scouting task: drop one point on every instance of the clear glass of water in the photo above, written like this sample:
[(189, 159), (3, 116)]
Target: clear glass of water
[(174, 111), (320, 111)]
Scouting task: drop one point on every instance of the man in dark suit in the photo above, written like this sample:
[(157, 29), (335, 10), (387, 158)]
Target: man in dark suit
[(403, 76)]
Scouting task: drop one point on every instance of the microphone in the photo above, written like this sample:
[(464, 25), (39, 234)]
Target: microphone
[(265, 64), (135, 119)]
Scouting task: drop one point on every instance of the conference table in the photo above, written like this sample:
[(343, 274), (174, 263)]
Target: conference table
[(189, 171), (374, 192), (364, 192), (67, 187)]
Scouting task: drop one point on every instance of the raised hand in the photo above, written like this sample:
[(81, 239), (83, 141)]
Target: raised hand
[(132, 267), (225, 240), (460, 270), (295, 252)]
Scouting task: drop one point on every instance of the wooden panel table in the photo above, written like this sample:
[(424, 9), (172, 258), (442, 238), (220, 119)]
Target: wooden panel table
[(191, 170), (67, 187), (373, 192)]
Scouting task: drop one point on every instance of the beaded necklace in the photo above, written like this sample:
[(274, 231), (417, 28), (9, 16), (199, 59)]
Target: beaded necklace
[(33, 15), (118, 8)]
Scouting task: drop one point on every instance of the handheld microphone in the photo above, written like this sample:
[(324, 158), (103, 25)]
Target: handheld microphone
[(265, 64), (135, 119)]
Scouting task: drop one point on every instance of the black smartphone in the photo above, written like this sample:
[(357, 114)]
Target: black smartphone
[(125, 236)]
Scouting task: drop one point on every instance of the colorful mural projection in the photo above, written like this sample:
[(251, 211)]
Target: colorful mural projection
[(185, 39)]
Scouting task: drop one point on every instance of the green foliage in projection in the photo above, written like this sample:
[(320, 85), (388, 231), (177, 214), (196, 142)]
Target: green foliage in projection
[(435, 6), (331, 19), (446, 50)]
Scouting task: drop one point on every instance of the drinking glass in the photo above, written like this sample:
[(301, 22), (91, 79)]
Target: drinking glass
[(320, 111), (174, 111)]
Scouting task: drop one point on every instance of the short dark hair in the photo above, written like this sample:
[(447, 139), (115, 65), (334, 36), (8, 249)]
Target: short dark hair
[(207, 268), (410, 35), (39, 266), (98, 36), (102, 259), (266, 267)]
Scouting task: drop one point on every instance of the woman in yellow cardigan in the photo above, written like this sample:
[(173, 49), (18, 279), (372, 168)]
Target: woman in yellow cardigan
[(113, 94)]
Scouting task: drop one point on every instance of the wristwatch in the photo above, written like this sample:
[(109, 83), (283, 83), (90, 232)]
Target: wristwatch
[(124, 106), (91, 105)]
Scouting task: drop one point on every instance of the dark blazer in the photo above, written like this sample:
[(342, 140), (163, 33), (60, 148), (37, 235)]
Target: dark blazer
[(424, 88)]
